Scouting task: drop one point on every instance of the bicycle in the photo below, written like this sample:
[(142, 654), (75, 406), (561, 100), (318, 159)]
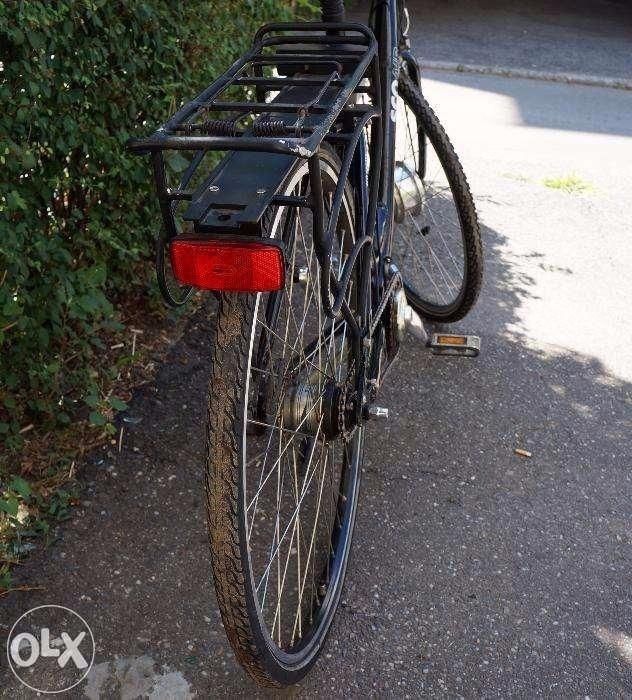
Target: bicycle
[(301, 228)]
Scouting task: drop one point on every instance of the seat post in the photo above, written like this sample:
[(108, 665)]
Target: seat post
[(332, 10)]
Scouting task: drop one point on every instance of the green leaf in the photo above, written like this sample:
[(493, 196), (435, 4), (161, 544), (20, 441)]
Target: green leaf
[(92, 400), (20, 486), (18, 36), (97, 419), (15, 201), (35, 40), (28, 159), (9, 505), (11, 380), (176, 161), (117, 404)]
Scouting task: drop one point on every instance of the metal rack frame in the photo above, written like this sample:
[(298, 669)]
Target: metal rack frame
[(331, 65)]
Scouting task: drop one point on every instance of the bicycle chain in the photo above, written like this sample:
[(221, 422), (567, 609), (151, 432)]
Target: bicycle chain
[(347, 394)]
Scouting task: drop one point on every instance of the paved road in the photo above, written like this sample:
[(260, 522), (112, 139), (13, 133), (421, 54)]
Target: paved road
[(567, 36), (475, 572)]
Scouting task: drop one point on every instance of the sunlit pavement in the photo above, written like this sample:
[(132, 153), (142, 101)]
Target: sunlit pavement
[(523, 144), (475, 572)]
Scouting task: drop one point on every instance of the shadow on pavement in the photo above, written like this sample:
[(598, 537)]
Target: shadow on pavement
[(474, 572), (589, 36)]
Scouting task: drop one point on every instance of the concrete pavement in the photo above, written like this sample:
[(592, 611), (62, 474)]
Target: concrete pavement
[(475, 572)]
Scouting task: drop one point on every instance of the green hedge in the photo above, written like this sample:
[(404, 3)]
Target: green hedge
[(77, 216)]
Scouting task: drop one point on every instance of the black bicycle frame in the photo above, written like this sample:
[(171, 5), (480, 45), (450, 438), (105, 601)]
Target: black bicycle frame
[(337, 63)]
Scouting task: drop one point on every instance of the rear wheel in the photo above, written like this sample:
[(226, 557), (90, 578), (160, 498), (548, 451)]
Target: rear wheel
[(283, 462), (436, 239)]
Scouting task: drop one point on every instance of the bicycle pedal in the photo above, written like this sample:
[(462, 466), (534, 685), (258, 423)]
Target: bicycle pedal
[(455, 344), (378, 412)]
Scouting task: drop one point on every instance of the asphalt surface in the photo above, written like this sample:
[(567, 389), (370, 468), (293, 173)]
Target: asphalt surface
[(568, 36), (475, 572)]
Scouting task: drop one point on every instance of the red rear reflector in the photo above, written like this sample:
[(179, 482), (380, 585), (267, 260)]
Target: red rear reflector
[(228, 266)]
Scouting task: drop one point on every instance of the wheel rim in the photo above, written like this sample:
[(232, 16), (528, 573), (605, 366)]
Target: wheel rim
[(428, 243), (299, 488)]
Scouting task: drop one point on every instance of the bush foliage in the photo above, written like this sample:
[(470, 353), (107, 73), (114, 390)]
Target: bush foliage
[(77, 215)]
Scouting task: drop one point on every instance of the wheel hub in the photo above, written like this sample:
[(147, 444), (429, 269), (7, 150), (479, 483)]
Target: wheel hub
[(302, 408), (333, 412), (408, 193)]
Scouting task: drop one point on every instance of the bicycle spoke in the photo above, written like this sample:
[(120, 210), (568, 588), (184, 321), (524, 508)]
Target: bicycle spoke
[(422, 266), (277, 462), (294, 515), (292, 505), (430, 240), (297, 618)]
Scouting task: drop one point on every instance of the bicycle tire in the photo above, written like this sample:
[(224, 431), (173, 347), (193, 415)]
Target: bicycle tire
[(227, 510), (434, 133)]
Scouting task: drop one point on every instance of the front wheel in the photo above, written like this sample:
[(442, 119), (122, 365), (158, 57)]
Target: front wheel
[(283, 465), (436, 237)]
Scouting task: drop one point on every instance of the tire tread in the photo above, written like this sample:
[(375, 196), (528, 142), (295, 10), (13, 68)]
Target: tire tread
[(411, 94)]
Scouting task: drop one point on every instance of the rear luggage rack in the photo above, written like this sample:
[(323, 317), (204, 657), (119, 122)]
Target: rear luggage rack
[(300, 85), (331, 59)]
